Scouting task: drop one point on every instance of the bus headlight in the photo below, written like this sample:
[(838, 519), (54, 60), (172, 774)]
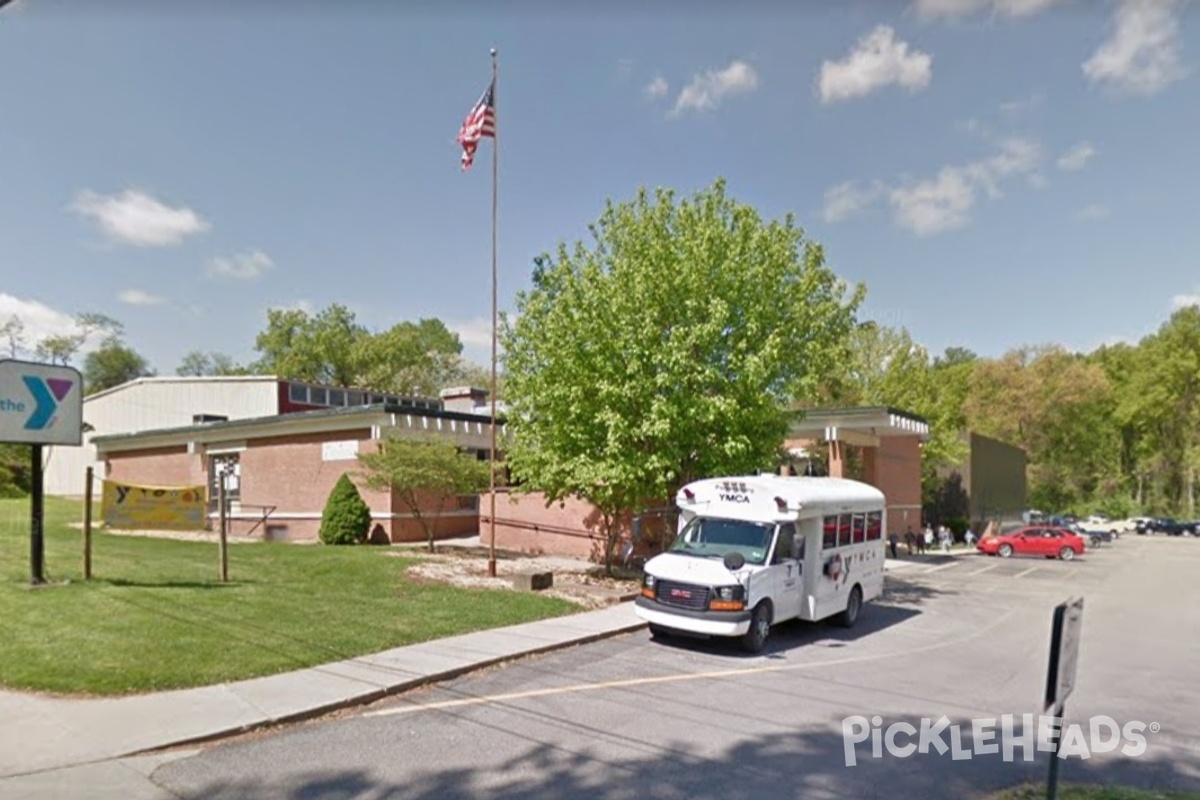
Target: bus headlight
[(727, 598)]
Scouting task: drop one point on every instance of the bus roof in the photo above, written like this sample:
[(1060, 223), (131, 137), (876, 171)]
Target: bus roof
[(758, 496)]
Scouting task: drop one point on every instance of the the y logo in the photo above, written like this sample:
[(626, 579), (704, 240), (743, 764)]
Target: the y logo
[(47, 393)]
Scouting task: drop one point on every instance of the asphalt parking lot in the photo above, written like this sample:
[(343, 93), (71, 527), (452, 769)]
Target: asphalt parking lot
[(633, 717)]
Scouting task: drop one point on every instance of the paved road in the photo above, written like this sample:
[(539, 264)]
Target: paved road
[(633, 718)]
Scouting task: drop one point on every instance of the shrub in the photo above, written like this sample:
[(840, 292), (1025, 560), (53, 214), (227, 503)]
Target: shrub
[(347, 518)]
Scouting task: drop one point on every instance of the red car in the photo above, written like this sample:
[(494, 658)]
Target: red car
[(1036, 540)]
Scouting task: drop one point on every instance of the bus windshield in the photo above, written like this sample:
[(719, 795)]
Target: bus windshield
[(713, 537)]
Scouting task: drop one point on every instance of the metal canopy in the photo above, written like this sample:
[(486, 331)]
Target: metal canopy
[(862, 426)]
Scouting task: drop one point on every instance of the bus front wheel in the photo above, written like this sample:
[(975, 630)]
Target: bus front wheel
[(755, 639)]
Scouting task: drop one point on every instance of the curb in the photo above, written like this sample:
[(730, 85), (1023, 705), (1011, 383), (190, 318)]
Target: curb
[(374, 695)]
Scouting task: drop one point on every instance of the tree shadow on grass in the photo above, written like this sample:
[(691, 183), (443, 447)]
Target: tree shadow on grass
[(125, 583), (500, 763)]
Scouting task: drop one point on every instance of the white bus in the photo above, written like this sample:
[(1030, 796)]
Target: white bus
[(757, 550)]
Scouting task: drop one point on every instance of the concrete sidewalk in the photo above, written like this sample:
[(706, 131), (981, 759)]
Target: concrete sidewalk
[(39, 733)]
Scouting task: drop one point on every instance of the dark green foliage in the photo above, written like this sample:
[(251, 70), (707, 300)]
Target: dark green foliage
[(347, 518)]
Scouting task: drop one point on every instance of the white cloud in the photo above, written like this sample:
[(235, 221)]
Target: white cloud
[(707, 90), (1023, 105), (1142, 56), (136, 297), (1094, 211), (877, 60), (244, 266), (475, 332), (847, 199), (1177, 302), (40, 320), (1001, 8), (1077, 157), (943, 202), (935, 205), (136, 218), (657, 88)]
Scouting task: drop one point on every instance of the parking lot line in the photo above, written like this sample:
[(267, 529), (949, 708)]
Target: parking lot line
[(1026, 572), (985, 569), (940, 567)]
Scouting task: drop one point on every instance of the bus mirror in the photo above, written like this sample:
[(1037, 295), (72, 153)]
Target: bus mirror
[(734, 561)]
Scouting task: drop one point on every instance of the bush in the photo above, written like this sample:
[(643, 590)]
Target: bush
[(347, 518)]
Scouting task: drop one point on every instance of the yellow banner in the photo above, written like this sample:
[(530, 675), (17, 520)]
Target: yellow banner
[(128, 507)]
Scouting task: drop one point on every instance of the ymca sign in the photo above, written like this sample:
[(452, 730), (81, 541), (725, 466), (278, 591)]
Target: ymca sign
[(40, 403)]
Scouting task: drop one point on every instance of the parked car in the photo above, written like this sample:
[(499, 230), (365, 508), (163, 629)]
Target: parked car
[(1094, 536), (1034, 540), (1171, 527)]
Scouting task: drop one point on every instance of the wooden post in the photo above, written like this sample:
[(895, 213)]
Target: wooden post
[(221, 536), (87, 527)]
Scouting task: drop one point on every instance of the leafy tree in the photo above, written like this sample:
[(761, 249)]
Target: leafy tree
[(1057, 406), (14, 470), (666, 350), (347, 517), (13, 334), (112, 364), (333, 347), (410, 358), (197, 363), (61, 348), (426, 475)]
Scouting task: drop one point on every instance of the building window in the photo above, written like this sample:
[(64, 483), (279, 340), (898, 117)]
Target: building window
[(376, 399), (318, 395), (298, 393), (874, 526), (337, 397), (830, 532), (224, 467), (355, 398), (844, 528)]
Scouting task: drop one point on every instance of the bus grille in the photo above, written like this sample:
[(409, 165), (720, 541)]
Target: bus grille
[(683, 595)]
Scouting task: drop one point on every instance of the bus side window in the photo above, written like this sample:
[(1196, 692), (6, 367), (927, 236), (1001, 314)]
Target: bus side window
[(829, 532), (785, 544)]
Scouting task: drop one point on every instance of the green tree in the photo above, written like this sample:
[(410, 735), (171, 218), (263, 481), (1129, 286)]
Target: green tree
[(14, 470), (666, 351), (12, 332), (333, 347), (197, 363), (427, 475), (112, 364), (1058, 406), (410, 358), (61, 348), (347, 517)]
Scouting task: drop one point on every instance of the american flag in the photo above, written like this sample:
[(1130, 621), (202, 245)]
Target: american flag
[(479, 123)]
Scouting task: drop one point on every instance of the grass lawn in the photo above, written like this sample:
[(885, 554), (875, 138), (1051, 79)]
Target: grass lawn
[(1080, 792), (155, 616)]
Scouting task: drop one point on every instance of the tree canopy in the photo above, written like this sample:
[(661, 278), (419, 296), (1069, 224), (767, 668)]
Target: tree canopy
[(333, 347), (667, 349)]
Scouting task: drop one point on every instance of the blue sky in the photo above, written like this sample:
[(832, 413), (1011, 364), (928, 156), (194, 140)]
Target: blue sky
[(998, 172)]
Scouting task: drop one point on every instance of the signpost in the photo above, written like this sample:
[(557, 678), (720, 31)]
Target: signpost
[(1060, 677), (39, 404)]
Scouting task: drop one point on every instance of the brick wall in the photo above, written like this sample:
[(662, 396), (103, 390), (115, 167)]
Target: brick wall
[(895, 469), (164, 466), (524, 524)]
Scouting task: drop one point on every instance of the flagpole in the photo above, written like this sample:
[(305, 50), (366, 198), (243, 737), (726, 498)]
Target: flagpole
[(492, 470)]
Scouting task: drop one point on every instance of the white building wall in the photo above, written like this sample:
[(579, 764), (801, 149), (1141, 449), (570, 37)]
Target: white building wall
[(149, 404)]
